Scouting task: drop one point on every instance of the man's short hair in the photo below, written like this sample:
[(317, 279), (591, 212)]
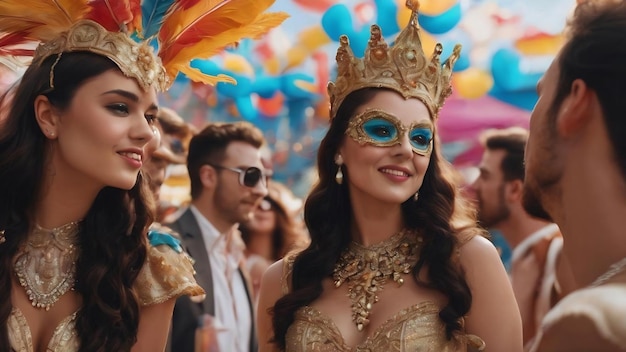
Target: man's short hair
[(209, 145), (594, 52), (513, 141)]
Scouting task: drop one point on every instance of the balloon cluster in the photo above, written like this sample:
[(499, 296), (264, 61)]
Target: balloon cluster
[(487, 65)]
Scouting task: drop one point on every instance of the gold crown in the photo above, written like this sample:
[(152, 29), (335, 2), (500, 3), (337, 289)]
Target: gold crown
[(135, 60), (403, 68)]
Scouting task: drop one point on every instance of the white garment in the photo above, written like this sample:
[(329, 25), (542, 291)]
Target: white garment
[(531, 240), (604, 306), (232, 310)]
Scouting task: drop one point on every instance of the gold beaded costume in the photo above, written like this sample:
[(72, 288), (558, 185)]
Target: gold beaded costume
[(405, 69), (167, 273), (121, 30), (417, 328)]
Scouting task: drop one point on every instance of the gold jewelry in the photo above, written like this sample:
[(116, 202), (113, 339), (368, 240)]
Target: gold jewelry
[(2, 238), (45, 266), (135, 60), (416, 196), (339, 175), (366, 270), (403, 68)]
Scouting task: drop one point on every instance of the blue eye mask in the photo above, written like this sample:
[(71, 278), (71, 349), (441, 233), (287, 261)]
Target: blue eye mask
[(382, 129)]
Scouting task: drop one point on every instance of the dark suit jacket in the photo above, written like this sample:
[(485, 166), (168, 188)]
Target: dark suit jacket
[(186, 312)]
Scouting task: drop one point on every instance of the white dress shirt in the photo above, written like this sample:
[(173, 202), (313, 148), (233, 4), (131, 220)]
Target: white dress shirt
[(232, 307)]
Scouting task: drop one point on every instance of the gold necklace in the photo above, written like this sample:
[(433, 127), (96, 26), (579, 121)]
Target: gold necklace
[(46, 264), (366, 270)]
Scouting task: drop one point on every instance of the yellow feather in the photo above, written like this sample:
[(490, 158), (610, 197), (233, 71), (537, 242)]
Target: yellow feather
[(197, 76), (42, 20), (208, 47), (179, 22)]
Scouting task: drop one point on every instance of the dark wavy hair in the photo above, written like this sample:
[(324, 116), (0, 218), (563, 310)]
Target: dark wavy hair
[(112, 236), (440, 214)]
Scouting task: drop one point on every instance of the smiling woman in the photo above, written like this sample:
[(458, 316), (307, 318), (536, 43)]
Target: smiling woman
[(396, 261), (81, 272), (70, 152)]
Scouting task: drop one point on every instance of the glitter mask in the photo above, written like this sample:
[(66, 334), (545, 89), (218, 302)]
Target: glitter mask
[(381, 129)]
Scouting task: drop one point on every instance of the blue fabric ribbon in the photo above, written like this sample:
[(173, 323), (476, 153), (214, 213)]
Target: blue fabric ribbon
[(158, 238)]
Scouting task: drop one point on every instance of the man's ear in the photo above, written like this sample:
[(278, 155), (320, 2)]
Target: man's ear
[(208, 176), (574, 113), (47, 116), (514, 190)]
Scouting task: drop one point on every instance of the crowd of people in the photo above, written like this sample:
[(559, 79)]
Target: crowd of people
[(387, 252)]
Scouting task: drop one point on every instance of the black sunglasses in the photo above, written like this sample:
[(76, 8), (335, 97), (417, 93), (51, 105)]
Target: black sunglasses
[(249, 177)]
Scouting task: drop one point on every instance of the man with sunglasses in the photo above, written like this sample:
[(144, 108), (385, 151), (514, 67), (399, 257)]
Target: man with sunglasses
[(228, 181)]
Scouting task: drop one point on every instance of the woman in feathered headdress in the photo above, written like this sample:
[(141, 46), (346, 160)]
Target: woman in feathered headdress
[(396, 261), (79, 271)]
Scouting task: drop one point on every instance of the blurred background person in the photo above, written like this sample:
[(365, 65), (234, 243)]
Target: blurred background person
[(537, 267), (273, 231), (228, 181), (169, 150)]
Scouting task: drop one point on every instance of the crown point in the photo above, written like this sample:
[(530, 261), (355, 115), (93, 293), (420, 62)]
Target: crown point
[(414, 5)]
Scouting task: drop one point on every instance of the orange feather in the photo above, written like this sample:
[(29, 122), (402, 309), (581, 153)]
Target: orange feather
[(208, 18), (209, 46), (40, 20), (200, 29), (135, 10)]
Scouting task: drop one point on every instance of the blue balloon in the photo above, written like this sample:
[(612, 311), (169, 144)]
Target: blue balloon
[(337, 20), (386, 17), (245, 108), (207, 67), (507, 73), (443, 22), (291, 89), (266, 86)]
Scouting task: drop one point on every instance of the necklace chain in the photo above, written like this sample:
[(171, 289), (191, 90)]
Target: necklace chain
[(614, 269), (366, 270), (45, 266)]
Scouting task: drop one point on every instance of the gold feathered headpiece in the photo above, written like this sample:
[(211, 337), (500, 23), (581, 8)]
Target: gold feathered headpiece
[(184, 29), (403, 67)]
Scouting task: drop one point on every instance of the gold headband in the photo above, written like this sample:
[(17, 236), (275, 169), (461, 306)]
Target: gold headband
[(403, 68), (135, 60)]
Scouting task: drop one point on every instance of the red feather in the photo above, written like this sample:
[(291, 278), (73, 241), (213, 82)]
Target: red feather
[(13, 39), (111, 14)]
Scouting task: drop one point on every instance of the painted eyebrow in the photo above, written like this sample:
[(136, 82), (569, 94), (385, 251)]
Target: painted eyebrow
[(129, 95)]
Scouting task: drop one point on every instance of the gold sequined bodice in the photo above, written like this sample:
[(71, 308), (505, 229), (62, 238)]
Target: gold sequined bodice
[(416, 329), (166, 274)]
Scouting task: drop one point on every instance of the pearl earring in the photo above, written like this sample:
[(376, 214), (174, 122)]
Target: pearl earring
[(339, 174)]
